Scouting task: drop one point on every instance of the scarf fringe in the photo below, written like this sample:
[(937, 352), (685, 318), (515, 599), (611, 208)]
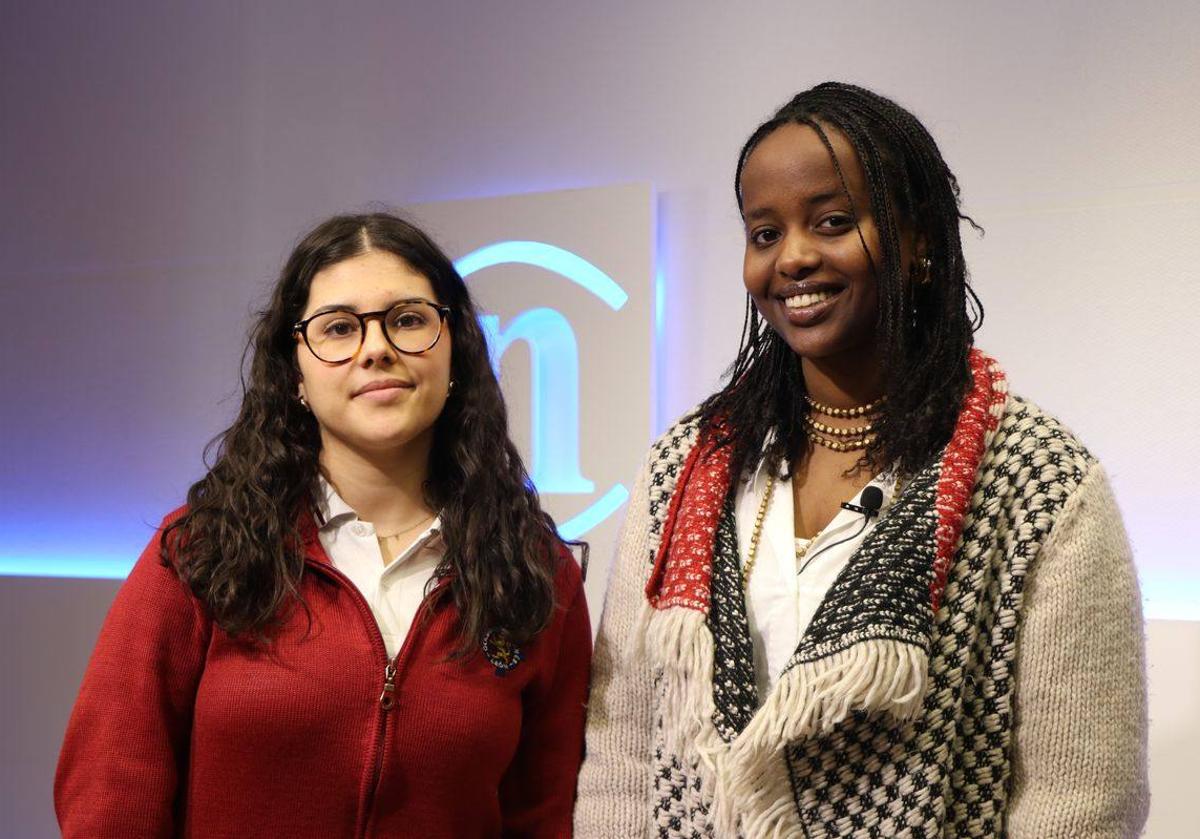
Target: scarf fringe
[(752, 782), (752, 790), (763, 807), (678, 643)]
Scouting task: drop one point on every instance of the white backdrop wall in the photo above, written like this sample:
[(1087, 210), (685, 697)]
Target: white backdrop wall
[(158, 159)]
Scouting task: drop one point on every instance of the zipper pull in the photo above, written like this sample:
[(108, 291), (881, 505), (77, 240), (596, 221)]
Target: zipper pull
[(388, 698)]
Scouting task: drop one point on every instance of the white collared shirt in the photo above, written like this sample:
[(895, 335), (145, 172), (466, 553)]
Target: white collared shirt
[(395, 591), (781, 601)]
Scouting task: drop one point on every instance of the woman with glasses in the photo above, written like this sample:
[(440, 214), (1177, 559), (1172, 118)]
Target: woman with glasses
[(362, 622), (864, 590)]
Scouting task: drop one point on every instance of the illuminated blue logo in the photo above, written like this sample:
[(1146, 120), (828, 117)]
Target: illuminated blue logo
[(554, 373)]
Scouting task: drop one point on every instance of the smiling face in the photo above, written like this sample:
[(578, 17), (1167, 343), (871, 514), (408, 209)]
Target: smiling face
[(381, 402), (805, 265)]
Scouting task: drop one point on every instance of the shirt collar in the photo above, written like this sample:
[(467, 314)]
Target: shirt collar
[(431, 537), (333, 512)]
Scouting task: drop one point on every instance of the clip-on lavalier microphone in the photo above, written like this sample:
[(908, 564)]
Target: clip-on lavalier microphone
[(872, 500)]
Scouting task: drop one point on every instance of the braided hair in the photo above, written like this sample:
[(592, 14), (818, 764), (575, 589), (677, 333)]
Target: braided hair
[(924, 330)]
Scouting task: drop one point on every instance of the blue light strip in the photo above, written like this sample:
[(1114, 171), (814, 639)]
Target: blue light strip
[(1168, 597), (658, 342), (85, 567), (575, 268), (660, 305), (601, 509)]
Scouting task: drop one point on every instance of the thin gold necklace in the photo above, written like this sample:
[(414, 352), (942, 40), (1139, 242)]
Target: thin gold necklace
[(409, 529)]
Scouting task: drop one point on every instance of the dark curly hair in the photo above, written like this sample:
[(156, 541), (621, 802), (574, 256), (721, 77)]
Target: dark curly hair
[(238, 545), (925, 331)]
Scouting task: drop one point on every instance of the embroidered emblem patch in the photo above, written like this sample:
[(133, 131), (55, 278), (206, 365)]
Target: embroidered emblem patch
[(500, 651)]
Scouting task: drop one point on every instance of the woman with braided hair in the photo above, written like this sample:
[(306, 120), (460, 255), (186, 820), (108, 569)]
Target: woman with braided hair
[(864, 590)]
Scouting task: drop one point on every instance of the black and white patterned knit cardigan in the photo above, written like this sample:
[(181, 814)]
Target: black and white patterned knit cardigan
[(894, 715)]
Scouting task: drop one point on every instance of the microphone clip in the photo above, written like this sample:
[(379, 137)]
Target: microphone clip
[(872, 500), (869, 512)]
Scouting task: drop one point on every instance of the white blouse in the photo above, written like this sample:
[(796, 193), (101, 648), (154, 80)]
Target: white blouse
[(780, 600), (393, 591)]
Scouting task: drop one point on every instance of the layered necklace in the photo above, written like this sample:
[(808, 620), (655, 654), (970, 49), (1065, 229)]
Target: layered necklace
[(849, 439), (853, 438)]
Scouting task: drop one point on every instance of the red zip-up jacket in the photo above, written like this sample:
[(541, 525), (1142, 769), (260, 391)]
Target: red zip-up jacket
[(180, 730)]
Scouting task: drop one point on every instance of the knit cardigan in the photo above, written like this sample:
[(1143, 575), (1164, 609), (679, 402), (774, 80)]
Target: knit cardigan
[(975, 671), (181, 730)]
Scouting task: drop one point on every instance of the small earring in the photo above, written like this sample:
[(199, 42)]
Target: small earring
[(450, 388), (925, 272), (304, 404)]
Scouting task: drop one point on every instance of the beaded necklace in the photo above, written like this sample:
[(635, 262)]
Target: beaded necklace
[(760, 517), (756, 534), (837, 439)]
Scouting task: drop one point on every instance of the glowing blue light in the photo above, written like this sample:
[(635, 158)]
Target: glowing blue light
[(601, 509), (575, 268), (1170, 597), (80, 566), (554, 419), (554, 356), (660, 305)]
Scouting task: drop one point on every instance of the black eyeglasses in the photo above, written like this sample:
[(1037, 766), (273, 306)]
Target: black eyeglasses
[(411, 327)]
